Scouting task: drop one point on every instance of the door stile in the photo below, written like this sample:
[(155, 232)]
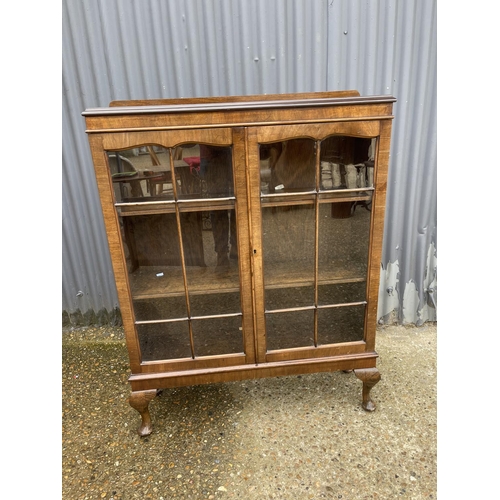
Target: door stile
[(255, 239), (243, 227), (115, 243)]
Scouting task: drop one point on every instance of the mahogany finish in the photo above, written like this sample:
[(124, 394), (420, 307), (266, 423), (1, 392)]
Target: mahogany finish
[(258, 254)]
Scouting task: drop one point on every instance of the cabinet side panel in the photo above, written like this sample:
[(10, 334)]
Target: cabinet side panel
[(377, 230), (115, 247)]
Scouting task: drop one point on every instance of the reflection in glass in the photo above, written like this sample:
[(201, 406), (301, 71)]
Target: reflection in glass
[(157, 264), (164, 340), (290, 329), (216, 250), (152, 240), (224, 244), (288, 166), (142, 172), (212, 302), (125, 177), (143, 237), (292, 238), (216, 170), (343, 244), (282, 298), (346, 162), (341, 324), (147, 309), (217, 336), (288, 235), (342, 293), (216, 173)]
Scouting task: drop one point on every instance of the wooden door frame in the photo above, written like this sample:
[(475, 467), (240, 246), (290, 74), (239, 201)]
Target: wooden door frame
[(373, 129), (169, 139)]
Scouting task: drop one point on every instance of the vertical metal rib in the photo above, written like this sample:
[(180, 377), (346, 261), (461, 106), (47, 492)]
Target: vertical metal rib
[(316, 241), (181, 249)]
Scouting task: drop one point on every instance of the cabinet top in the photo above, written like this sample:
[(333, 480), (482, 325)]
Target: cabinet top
[(237, 111), (237, 103)]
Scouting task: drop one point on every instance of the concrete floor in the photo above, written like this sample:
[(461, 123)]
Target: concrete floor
[(300, 437)]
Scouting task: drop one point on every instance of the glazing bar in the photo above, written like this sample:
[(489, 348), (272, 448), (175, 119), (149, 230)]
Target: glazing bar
[(316, 241), (290, 309), (159, 321), (330, 306), (181, 248)]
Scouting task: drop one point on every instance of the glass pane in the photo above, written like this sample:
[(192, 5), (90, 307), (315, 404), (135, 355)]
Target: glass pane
[(212, 262), (155, 261), (140, 173), (217, 336), (342, 293), (216, 171), (151, 246), (282, 298), (187, 171), (164, 341), (220, 243), (290, 329), (288, 166), (343, 245), (160, 308), (341, 324), (151, 240), (219, 247), (346, 162), (211, 302), (288, 235)]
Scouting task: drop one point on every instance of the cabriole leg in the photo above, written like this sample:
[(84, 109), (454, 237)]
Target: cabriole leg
[(139, 401), (369, 377)]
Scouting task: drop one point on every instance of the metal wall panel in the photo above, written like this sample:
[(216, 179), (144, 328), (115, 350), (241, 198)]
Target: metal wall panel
[(389, 47), (124, 49)]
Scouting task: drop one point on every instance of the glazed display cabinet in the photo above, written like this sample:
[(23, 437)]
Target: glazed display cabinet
[(245, 235)]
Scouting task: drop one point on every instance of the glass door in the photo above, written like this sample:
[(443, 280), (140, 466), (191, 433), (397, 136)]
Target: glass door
[(313, 188), (176, 208)]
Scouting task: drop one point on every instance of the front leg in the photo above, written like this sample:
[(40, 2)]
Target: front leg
[(369, 377), (139, 400)]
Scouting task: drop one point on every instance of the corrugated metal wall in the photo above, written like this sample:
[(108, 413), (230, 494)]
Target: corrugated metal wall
[(124, 49)]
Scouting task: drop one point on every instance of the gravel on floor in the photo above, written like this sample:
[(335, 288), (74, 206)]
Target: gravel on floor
[(297, 437)]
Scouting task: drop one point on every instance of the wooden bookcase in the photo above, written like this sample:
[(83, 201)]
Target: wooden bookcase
[(245, 234)]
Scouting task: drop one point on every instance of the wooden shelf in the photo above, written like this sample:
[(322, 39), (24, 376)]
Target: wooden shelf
[(164, 205), (149, 282), (282, 276), (285, 199), (193, 203)]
